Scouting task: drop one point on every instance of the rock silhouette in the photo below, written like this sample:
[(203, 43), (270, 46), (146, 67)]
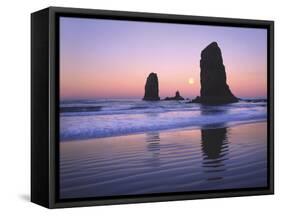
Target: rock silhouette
[(151, 88), (214, 89), (214, 142), (177, 97)]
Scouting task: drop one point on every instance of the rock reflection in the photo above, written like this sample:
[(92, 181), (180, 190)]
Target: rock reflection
[(214, 149), (153, 146)]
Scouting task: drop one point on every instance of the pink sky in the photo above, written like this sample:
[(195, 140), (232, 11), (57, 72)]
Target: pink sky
[(112, 59)]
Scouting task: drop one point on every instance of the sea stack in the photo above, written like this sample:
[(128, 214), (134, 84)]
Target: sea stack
[(177, 97), (151, 88), (214, 89)]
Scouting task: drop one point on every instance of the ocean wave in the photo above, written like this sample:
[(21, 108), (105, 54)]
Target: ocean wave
[(75, 109), (130, 117), (138, 107)]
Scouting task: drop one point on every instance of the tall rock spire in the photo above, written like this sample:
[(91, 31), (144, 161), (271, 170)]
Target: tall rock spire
[(214, 89)]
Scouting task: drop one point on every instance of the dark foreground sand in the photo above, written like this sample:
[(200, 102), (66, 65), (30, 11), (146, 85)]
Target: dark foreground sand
[(165, 161)]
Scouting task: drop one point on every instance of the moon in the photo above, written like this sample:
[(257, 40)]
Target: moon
[(190, 81)]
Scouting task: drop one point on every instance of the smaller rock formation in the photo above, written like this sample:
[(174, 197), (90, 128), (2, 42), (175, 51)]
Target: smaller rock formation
[(176, 97), (151, 88), (254, 100)]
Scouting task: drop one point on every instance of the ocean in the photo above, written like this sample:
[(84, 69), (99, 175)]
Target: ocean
[(103, 118)]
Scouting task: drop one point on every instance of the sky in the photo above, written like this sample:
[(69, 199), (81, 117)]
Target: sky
[(105, 59)]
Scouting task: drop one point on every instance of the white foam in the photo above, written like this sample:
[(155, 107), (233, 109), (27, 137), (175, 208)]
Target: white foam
[(128, 117)]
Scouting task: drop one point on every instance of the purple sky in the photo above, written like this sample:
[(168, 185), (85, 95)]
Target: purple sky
[(111, 59)]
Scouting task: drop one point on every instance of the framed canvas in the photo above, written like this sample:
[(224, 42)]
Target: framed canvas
[(138, 107)]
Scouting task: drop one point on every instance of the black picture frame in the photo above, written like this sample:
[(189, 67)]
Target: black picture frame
[(45, 106)]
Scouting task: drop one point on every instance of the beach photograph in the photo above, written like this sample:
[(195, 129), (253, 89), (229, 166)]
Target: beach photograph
[(150, 108)]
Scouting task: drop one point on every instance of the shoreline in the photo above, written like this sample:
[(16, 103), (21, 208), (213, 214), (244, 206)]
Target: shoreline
[(190, 128)]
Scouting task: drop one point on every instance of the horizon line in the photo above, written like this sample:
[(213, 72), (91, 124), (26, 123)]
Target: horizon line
[(140, 98)]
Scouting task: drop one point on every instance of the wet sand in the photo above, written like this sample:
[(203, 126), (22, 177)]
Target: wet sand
[(165, 161)]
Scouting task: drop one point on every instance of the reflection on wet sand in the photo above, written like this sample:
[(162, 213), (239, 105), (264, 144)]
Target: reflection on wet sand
[(153, 146), (214, 141), (214, 149)]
